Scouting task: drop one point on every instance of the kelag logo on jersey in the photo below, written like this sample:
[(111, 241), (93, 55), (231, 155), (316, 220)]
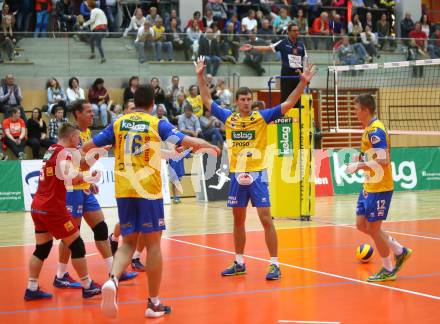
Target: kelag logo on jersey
[(243, 135), (134, 126)]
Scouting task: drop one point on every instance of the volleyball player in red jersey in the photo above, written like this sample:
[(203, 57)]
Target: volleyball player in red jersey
[(51, 217)]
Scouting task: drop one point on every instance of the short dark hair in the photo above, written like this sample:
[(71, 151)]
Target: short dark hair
[(13, 110), (187, 106), (71, 82), (58, 108), (144, 96), (242, 91), (290, 26), (366, 100), (65, 130), (77, 106)]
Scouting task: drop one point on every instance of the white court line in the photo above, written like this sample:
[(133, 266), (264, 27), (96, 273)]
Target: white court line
[(313, 270), (307, 322), (91, 254)]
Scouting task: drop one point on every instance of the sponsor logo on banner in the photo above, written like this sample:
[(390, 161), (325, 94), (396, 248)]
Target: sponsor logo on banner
[(243, 135), (323, 174), (285, 139), (134, 126)]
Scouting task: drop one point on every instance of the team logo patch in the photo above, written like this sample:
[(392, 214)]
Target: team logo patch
[(374, 139), (243, 135), (134, 126), (69, 226), (49, 171)]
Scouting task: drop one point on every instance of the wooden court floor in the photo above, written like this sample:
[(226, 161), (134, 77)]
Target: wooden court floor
[(321, 280)]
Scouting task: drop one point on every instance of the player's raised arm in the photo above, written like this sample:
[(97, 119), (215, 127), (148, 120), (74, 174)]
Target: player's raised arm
[(204, 90), (295, 95)]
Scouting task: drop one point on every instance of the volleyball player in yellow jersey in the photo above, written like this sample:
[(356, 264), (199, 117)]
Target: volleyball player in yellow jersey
[(375, 198), (246, 141), (138, 186), (82, 203)]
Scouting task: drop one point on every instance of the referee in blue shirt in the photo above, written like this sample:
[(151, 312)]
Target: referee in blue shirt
[(292, 53)]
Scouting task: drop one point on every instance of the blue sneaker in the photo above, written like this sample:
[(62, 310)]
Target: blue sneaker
[(128, 275), (234, 270), (36, 295), (93, 290), (274, 272), (136, 265), (66, 282), (402, 258)]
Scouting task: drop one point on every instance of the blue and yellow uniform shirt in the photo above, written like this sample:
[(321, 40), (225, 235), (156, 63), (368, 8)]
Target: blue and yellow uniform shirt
[(374, 137), (136, 138), (84, 136), (246, 137)]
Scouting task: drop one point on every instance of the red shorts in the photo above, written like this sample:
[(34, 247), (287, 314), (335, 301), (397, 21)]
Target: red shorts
[(60, 225)]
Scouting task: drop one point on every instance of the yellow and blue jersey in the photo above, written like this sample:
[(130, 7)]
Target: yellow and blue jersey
[(84, 136), (136, 138), (246, 137), (376, 137)]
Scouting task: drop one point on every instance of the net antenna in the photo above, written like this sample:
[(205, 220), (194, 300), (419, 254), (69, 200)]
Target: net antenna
[(407, 96)]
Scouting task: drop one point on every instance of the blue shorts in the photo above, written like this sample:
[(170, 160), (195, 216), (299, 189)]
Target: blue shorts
[(374, 206), (176, 170), (257, 191), (140, 215), (79, 202)]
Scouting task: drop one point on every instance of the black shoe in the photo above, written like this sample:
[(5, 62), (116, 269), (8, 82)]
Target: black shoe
[(91, 57), (113, 244)]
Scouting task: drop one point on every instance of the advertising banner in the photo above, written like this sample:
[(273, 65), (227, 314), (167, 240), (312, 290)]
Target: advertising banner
[(11, 189)]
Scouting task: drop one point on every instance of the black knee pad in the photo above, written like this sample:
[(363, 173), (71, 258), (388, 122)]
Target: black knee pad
[(78, 248), (42, 250), (100, 231)]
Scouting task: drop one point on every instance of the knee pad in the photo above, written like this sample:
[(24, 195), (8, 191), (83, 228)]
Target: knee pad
[(42, 250), (100, 231), (78, 248)]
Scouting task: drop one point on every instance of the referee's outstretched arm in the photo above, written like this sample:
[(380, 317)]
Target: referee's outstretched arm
[(249, 47), (205, 93), (295, 95)]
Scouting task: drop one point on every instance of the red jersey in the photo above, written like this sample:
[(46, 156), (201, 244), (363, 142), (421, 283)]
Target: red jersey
[(419, 37), (14, 127), (51, 193)]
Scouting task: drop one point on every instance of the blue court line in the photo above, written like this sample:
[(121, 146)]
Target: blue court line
[(213, 295)]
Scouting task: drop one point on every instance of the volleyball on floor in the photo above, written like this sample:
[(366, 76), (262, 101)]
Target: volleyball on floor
[(364, 252)]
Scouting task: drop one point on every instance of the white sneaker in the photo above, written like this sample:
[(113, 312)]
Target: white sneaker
[(109, 307)]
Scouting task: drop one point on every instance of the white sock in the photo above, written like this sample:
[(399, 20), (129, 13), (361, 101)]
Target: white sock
[(137, 255), (155, 300), (387, 263), (86, 282), (239, 259), (395, 246), (33, 284), (61, 270), (274, 260), (109, 262)]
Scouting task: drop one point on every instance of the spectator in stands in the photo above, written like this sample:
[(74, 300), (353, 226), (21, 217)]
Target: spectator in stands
[(215, 31), (208, 19), (212, 128), (129, 91), (218, 8), (358, 6), (99, 98), (209, 48), (98, 26), (254, 58), (230, 43), (42, 9), (406, 25), (65, 16), (11, 97), (173, 89), (15, 131), (136, 22), (236, 22), (321, 27), (85, 10), (281, 22), (7, 44), (55, 123), (197, 16), (25, 10), (369, 40), (111, 11), (223, 94), (159, 93), (160, 42), (8, 20), (383, 31), (371, 4), (74, 92), (313, 8), (176, 37), (37, 133), (161, 112), (195, 100), (177, 107), (2, 137), (211, 86), (355, 27), (336, 26), (347, 54), (369, 21), (115, 112), (418, 42), (188, 123), (301, 22), (193, 34), (426, 25), (173, 15), (55, 94), (144, 39), (153, 16), (434, 47), (249, 24)]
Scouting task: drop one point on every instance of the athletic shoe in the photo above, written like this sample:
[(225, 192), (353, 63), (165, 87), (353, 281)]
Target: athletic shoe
[(402, 258), (113, 244), (36, 295), (234, 270), (156, 311), (177, 201), (382, 275), (93, 290), (274, 272), (109, 307), (66, 282), (137, 265), (127, 275)]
